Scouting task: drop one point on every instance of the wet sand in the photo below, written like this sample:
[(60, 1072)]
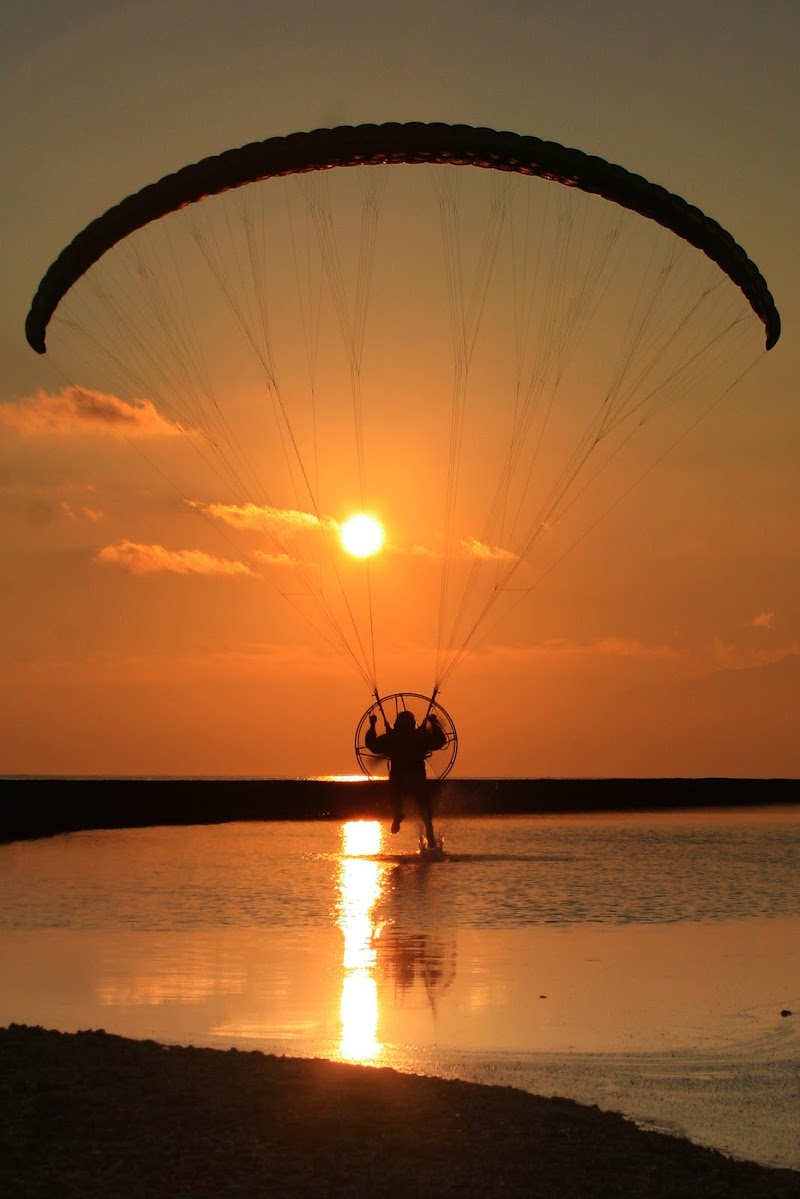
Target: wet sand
[(92, 1114)]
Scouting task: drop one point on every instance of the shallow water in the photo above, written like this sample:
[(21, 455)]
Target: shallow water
[(638, 962)]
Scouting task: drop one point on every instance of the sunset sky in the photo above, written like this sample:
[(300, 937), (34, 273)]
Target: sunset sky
[(145, 635)]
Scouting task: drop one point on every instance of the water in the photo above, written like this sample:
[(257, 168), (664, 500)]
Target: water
[(638, 962)]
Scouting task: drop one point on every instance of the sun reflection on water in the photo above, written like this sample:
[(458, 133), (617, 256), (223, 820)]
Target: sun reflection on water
[(361, 881)]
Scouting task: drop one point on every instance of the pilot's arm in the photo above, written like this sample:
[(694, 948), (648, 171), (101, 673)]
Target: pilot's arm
[(437, 737), (372, 740)]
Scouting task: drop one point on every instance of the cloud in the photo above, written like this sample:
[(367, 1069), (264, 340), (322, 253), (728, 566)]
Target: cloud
[(278, 522), (565, 652), (274, 559), (76, 410), (610, 647), (690, 663), (80, 512), (725, 655), (471, 547), (262, 518), (39, 504), (153, 559), (489, 553), (763, 620)]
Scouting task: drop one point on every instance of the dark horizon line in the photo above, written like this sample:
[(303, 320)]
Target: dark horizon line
[(43, 807), (347, 780)]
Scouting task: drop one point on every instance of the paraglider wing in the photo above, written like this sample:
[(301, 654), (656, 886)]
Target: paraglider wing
[(389, 144)]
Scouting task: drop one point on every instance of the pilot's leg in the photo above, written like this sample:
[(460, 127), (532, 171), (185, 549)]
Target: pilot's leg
[(397, 808), (425, 810)]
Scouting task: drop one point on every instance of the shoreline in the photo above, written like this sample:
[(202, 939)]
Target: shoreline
[(42, 807), (94, 1114)]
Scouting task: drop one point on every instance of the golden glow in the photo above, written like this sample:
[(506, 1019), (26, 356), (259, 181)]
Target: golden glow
[(361, 883), (359, 1013), (362, 536), (338, 778), (361, 837)]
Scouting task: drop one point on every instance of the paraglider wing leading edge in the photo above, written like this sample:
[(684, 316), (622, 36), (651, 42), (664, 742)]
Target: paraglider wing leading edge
[(392, 143)]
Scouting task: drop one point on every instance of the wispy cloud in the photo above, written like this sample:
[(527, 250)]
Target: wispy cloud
[(154, 559), (273, 559), (490, 553), (80, 512), (262, 518), (688, 662), (726, 655), (39, 504), (470, 547), (564, 651), (289, 522), (75, 410), (763, 620), (610, 647)]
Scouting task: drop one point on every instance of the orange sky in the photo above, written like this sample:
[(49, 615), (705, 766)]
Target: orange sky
[(140, 638)]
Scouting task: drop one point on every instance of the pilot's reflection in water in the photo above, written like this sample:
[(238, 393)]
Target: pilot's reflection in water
[(380, 908)]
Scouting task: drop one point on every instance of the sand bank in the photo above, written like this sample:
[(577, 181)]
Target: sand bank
[(92, 1114)]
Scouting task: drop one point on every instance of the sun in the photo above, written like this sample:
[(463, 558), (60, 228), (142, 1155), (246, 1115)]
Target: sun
[(361, 536)]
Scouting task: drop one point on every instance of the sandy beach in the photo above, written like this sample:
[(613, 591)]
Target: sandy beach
[(92, 1114)]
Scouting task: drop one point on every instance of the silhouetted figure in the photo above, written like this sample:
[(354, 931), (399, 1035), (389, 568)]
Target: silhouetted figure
[(407, 745)]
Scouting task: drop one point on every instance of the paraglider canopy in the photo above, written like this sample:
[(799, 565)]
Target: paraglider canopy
[(362, 145), (474, 382)]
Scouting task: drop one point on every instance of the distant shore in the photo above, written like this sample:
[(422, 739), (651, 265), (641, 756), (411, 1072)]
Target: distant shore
[(41, 807)]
